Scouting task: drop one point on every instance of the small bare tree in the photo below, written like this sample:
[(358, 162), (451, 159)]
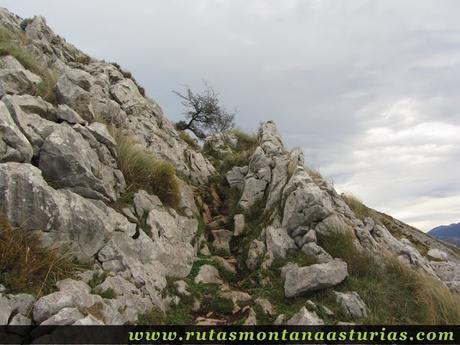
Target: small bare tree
[(204, 113)]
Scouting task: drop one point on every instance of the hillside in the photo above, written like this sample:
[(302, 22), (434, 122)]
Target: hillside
[(108, 216), (448, 233)]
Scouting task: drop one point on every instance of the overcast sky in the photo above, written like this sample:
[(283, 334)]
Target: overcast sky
[(369, 89)]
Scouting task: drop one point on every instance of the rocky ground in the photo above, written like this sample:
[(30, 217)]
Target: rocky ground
[(253, 237)]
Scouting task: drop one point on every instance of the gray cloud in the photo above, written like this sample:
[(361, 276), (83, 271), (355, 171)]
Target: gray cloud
[(369, 89)]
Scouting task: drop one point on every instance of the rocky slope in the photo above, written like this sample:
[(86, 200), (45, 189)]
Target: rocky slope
[(254, 238)]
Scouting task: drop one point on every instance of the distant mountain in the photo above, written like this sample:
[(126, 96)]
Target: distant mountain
[(449, 233)]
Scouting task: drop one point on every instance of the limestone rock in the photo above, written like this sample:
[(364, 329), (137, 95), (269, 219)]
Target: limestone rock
[(305, 318), (235, 177), (438, 254), (208, 275), (66, 316), (278, 241), (14, 146), (314, 277), (238, 224), (222, 239), (68, 161), (5, 311), (314, 250), (255, 255), (60, 216), (352, 304), (18, 81)]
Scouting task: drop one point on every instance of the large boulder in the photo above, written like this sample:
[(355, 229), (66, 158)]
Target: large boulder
[(60, 216), (300, 280), (68, 161)]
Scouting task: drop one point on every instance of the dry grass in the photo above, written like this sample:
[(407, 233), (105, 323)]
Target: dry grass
[(189, 140), (14, 44), (27, 266), (142, 170), (314, 174), (356, 205), (394, 293)]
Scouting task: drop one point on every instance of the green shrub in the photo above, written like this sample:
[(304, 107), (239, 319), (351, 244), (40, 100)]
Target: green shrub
[(27, 266), (221, 305), (143, 171), (14, 44), (151, 317)]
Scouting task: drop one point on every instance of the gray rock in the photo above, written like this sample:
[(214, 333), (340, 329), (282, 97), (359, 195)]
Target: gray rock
[(235, 177), (67, 114), (208, 275), (145, 202), (21, 303), (251, 320), (66, 316), (20, 320), (18, 81), (314, 250), (34, 118), (75, 96), (438, 254), (187, 200), (5, 311), (172, 235), (266, 306), (222, 239), (89, 320), (278, 241), (255, 255), (61, 216), (14, 146), (314, 277), (305, 318), (238, 224), (51, 304), (352, 304), (305, 203), (68, 161), (181, 288)]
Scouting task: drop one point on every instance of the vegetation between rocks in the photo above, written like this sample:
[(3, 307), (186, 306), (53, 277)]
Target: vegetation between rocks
[(142, 170), (28, 266), (15, 44), (394, 293)]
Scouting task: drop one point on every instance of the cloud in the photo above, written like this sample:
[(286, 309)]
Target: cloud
[(368, 88)]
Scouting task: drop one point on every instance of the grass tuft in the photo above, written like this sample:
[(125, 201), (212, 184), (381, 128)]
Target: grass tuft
[(142, 170), (14, 44), (408, 296), (27, 266), (192, 143), (357, 206)]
